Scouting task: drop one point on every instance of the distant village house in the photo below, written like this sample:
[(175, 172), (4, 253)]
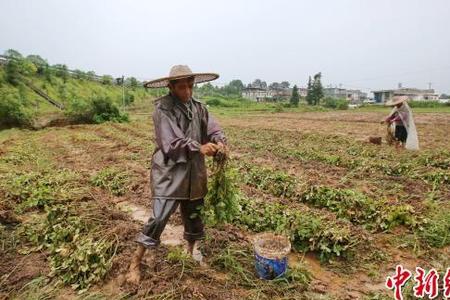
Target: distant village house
[(353, 96), (259, 94), (381, 96)]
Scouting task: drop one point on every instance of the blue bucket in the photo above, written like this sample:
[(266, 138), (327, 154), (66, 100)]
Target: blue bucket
[(271, 255)]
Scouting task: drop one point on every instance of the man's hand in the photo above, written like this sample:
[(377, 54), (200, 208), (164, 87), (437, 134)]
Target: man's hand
[(222, 146), (223, 153), (209, 149)]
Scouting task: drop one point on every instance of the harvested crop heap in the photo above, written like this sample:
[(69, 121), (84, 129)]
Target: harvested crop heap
[(222, 201)]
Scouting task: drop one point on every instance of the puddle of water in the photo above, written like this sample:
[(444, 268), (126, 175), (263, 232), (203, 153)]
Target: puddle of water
[(171, 236), (137, 212)]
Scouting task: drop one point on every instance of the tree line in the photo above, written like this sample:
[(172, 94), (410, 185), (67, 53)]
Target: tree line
[(18, 65)]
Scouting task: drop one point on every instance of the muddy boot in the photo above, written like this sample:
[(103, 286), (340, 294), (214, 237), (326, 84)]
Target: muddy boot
[(134, 273), (194, 250)]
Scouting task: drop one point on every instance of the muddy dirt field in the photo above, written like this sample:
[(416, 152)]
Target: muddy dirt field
[(73, 198)]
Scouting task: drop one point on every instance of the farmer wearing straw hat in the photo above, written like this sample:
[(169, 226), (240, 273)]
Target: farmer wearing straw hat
[(184, 134), (401, 117)]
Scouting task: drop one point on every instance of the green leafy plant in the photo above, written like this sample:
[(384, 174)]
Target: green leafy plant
[(346, 203), (76, 256), (435, 230), (112, 179), (274, 182), (222, 200), (38, 189), (394, 215), (308, 231)]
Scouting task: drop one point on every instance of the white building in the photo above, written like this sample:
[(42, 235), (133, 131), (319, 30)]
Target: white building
[(258, 94), (381, 96), (353, 96), (261, 94)]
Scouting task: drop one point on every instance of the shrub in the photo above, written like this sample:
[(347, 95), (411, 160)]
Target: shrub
[(221, 103), (98, 110), (279, 107), (340, 104), (12, 112), (16, 67), (107, 79), (226, 102), (129, 98), (426, 104)]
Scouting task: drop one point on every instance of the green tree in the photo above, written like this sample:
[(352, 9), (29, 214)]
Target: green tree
[(78, 74), (274, 86), (91, 75), (132, 82), (12, 74), (258, 83), (317, 88), (285, 85), (119, 81), (107, 79), (309, 92), (13, 54), (47, 72), (62, 71), (206, 89), (40, 63), (314, 90), (236, 84), (234, 88), (17, 67), (295, 97)]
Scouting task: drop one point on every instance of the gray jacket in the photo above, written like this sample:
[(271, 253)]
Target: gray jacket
[(178, 168)]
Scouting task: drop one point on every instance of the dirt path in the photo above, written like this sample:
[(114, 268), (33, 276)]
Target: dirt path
[(172, 234)]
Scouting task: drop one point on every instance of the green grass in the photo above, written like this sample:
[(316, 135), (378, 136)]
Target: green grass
[(436, 229), (250, 107), (384, 109)]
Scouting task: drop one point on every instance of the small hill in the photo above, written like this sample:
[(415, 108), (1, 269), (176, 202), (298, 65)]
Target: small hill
[(33, 92)]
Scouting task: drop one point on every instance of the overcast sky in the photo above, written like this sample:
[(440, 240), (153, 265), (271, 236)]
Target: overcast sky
[(367, 44)]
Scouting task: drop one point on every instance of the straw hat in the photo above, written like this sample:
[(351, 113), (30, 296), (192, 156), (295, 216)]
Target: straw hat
[(396, 100), (180, 72)]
